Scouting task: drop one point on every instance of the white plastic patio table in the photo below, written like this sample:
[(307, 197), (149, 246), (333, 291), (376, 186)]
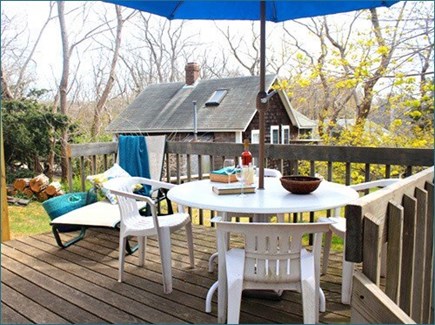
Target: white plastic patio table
[(272, 199)]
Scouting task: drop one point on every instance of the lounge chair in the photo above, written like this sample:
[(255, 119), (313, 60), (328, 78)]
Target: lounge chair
[(104, 214)]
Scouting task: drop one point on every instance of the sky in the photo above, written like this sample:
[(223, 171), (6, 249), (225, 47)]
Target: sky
[(48, 55)]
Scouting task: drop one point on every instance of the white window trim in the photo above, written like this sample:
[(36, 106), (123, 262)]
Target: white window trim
[(284, 129), (255, 134), (272, 129), (238, 137)]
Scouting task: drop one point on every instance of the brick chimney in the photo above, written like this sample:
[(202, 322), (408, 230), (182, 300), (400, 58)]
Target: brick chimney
[(192, 73)]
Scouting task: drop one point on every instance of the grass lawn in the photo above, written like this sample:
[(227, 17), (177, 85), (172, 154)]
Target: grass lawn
[(28, 220)]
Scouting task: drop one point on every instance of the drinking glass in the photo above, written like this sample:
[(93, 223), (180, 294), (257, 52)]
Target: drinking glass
[(241, 177), (229, 166)]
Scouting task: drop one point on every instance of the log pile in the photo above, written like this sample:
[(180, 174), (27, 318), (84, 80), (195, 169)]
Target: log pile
[(39, 186)]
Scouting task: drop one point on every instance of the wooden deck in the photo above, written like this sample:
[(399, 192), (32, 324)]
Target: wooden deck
[(44, 284)]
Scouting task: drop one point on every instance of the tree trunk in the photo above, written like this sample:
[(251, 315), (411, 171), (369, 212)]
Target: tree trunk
[(323, 114), (37, 167), (6, 91), (363, 108), (96, 125), (51, 156), (63, 87)]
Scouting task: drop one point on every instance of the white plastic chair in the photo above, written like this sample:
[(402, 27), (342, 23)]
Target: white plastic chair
[(337, 226), (268, 172), (272, 259), (133, 224)]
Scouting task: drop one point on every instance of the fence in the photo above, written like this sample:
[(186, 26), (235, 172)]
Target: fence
[(391, 232)]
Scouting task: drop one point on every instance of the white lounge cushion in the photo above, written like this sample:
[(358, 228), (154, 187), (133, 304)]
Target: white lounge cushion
[(98, 214)]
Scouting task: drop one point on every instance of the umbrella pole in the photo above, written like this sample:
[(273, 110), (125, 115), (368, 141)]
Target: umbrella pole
[(261, 152), (261, 106)]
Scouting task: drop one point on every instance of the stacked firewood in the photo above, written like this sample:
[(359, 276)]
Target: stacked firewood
[(39, 186)]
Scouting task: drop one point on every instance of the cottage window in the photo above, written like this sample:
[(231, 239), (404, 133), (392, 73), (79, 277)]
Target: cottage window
[(217, 97), (285, 134), (255, 136), (274, 134)]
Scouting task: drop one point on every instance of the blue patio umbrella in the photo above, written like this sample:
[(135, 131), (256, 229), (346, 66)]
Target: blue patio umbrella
[(264, 10)]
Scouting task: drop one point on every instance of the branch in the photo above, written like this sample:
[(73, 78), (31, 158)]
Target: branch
[(235, 50), (297, 44), (29, 57)]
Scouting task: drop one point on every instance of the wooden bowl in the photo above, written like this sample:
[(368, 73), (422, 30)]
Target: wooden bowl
[(300, 184)]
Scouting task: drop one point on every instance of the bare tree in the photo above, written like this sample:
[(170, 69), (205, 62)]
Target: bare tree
[(133, 79), (245, 51), (156, 52), (244, 48), (96, 124), (63, 86), (215, 65), (18, 57), (67, 51)]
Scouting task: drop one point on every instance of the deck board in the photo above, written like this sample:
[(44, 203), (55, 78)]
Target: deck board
[(44, 284)]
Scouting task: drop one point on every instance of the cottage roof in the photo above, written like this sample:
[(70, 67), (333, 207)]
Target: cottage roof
[(165, 108), (168, 107)]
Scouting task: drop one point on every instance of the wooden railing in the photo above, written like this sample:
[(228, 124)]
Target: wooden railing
[(186, 161), (407, 293), (92, 158), (393, 227), (290, 156)]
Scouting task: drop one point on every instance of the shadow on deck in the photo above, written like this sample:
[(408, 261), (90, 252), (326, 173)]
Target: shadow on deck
[(44, 284)]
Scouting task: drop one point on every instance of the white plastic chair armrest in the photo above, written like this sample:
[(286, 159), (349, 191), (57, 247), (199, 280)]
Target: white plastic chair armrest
[(153, 183), (216, 219), (136, 197), (325, 220), (377, 183)]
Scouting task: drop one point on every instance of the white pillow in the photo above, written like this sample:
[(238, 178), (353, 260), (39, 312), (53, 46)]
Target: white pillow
[(99, 180)]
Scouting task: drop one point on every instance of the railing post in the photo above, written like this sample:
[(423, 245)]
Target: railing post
[(5, 214), (70, 171)]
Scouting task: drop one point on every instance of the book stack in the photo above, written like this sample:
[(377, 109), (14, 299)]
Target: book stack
[(222, 177), (225, 189)]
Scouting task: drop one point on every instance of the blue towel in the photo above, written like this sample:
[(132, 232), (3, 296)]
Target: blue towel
[(222, 171), (133, 158)]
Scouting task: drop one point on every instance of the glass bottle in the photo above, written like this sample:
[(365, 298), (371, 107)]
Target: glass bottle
[(246, 154)]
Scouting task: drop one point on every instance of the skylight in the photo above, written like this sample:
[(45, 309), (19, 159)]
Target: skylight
[(217, 97)]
